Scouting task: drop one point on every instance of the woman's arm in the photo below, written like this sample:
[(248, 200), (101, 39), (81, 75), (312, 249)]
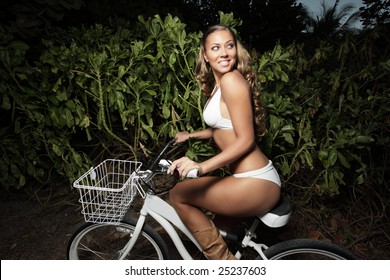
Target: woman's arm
[(202, 134)]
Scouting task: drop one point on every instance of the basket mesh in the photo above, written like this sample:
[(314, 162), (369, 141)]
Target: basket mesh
[(107, 190)]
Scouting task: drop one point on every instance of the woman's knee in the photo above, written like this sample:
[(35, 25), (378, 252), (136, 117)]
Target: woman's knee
[(173, 197), (182, 194), (176, 196)]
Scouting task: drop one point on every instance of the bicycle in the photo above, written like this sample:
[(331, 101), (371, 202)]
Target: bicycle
[(107, 191)]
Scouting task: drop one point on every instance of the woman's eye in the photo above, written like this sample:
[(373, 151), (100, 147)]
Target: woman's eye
[(230, 46), (214, 48)]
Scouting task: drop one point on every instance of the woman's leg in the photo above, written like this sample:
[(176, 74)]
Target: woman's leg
[(181, 197), (227, 196)]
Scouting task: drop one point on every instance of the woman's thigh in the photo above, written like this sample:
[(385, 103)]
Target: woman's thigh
[(228, 195)]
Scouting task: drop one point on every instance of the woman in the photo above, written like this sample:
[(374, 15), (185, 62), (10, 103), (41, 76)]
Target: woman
[(233, 113)]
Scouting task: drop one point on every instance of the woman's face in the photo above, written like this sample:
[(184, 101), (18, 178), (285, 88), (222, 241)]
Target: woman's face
[(220, 52)]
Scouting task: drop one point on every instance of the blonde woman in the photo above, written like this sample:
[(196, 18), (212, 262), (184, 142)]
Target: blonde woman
[(235, 119)]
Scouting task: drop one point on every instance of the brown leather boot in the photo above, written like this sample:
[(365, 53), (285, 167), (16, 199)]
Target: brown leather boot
[(213, 245)]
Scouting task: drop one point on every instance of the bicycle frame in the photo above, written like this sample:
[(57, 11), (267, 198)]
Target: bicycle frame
[(166, 216)]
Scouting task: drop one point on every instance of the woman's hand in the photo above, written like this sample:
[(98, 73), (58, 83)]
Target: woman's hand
[(182, 137), (183, 166)]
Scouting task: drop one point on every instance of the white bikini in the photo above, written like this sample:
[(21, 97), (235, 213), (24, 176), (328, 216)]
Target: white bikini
[(267, 172), (212, 113), (213, 118)]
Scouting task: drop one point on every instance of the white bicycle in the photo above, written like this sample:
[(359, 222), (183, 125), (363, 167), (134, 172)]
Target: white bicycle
[(108, 190)]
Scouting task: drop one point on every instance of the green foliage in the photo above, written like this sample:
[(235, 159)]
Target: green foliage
[(38, 125), (119, 91), (328, 114), (96, 87)]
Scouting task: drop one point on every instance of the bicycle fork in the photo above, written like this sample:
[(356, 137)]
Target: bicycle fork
[(133, 237)]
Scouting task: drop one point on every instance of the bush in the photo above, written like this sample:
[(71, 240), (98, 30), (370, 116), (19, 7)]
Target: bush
[(118, 91), (328, 115)]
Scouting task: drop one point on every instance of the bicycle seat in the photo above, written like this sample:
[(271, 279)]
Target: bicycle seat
[(279, 215)]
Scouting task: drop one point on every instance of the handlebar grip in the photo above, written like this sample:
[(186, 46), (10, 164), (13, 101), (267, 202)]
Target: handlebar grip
[(193, 173)]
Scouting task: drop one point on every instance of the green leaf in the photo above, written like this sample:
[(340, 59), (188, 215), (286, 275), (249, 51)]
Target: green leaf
[(62, 96), (332, 157), (148, 129), (166, 111), (308, 158), (15, 171), (22, 180), (56, 149), (77, 158), (263, 61), (285, 168), (284, 77), (360, 179), (343, 160), (54, 117), (323, 155), (6, 104), (172, 59), (69, 118), (121, 70), (287, 128), (71, 105), (364, 139), (275, 123), (151, 92), (19, 45), (288, 137)]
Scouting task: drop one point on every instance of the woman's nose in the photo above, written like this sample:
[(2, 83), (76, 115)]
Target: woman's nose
[(223, 52)]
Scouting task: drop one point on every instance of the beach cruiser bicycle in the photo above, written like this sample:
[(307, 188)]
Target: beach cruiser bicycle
[(108, 190)]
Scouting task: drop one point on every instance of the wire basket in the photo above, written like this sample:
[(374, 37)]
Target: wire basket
[(107, 190)]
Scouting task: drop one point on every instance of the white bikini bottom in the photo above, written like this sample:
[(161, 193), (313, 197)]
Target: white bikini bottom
[(267, 172)]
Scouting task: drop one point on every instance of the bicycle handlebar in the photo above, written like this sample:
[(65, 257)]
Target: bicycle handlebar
[(193, 173)]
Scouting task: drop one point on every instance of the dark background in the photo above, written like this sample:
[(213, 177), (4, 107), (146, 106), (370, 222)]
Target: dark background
[(37, 223)]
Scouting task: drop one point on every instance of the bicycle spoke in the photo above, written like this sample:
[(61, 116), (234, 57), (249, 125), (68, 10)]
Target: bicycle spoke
[(102, 241)]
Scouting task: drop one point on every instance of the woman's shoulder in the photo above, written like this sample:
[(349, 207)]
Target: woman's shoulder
[(233, 80), (235, 74)]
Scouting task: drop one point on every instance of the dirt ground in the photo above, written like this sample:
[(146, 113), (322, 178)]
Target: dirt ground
[(33, 228)]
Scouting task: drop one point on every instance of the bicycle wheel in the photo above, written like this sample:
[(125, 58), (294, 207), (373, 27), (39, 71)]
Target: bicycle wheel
[(307, 249), (104, 242)]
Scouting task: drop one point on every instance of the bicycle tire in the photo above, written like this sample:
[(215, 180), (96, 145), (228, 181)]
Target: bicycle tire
[(104, 241), (307, 249)]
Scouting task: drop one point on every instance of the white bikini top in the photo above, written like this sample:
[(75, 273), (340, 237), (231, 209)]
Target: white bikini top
[(212, 113)]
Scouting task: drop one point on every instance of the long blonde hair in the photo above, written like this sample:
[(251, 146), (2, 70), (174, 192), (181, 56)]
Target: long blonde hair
[(205, 78)]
